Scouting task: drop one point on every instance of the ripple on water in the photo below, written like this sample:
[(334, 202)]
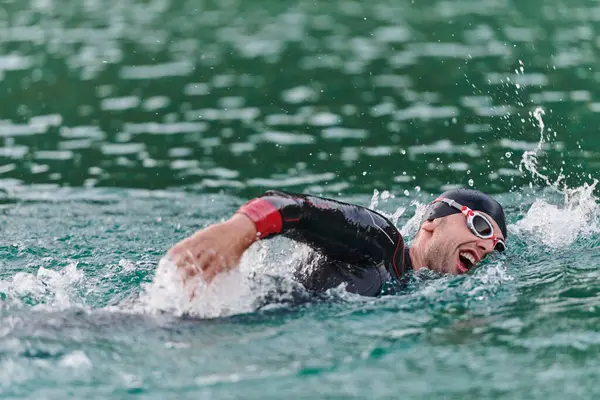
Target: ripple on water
[(155, 71), (285, 138), (120, 103), (152, 51)]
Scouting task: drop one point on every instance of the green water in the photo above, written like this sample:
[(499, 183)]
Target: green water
[(127, 125)]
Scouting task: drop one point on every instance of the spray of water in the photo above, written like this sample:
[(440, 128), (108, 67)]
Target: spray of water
[(45, 289), (529, 160), (167, 292), (385, 196), (264, 273), (557, 225)]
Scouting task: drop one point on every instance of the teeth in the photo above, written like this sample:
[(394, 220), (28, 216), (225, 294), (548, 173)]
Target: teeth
[(469, 257)]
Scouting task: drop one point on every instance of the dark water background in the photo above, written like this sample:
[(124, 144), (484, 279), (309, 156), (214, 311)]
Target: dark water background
[(126, 125), (339, 95)]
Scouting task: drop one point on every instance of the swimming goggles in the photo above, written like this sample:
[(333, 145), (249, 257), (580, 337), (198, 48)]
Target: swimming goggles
[(477, 223)]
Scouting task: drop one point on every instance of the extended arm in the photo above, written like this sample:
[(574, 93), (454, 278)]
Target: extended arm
[(342, 231)]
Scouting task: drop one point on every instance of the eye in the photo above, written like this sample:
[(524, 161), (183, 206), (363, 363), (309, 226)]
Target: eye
[(482, 226)]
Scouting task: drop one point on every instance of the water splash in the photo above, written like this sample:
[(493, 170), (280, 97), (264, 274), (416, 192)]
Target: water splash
[(557, 225), (412, 225), (263, 276), (385, 196), (529, 160), (47, 288), (228, 294)]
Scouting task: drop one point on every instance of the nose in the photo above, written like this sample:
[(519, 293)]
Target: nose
[(487, 245)]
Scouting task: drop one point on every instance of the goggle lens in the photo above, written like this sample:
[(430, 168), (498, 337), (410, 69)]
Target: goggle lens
[(482, 226), (500, 247)]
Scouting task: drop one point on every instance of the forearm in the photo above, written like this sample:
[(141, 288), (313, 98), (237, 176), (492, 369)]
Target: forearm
[(343, 231), (245, 226)]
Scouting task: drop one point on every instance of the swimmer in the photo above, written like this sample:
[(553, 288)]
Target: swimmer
[(360, 248)]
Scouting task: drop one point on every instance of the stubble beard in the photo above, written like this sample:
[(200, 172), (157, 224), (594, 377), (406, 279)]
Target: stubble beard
[(436, 261)]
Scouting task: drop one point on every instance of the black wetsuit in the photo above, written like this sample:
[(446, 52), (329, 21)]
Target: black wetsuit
[(359, 247)]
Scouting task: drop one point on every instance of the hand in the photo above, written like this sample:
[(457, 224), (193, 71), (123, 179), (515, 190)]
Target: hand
[(214, 249)]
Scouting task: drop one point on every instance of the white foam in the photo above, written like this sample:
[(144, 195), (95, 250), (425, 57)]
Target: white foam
[(76, 360), (48, 288), (557, 225), (232, 292)]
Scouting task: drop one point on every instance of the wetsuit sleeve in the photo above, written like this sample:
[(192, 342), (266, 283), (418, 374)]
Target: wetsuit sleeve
[(342, 231)]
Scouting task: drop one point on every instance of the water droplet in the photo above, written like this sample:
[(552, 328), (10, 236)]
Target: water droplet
[(508, 154), (364, 173), (471, 182), (406, 193)]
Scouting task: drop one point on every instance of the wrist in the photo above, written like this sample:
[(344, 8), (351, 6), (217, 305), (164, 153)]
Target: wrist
[(245, 226), (264, 215)]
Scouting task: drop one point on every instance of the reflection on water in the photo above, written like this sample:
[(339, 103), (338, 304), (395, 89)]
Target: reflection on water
[(160, 93)]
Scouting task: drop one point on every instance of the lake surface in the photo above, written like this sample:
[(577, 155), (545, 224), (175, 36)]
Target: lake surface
[(127, 125)]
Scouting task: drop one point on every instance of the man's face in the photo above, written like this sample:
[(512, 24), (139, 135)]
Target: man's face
[(453, 248)]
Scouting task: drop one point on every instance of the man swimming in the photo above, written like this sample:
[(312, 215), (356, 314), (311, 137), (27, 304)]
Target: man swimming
[(360, 248)]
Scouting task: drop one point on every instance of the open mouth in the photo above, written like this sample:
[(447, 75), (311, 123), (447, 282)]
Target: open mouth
[(466, 261)]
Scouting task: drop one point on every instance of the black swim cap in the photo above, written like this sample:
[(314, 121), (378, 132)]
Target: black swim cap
[(473, 199)]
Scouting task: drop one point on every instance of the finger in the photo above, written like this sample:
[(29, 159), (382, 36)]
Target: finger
[(216, 267), (181, 258), (183, 246), (189, 271), (206, 258), (177, 248), (187, 264)]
